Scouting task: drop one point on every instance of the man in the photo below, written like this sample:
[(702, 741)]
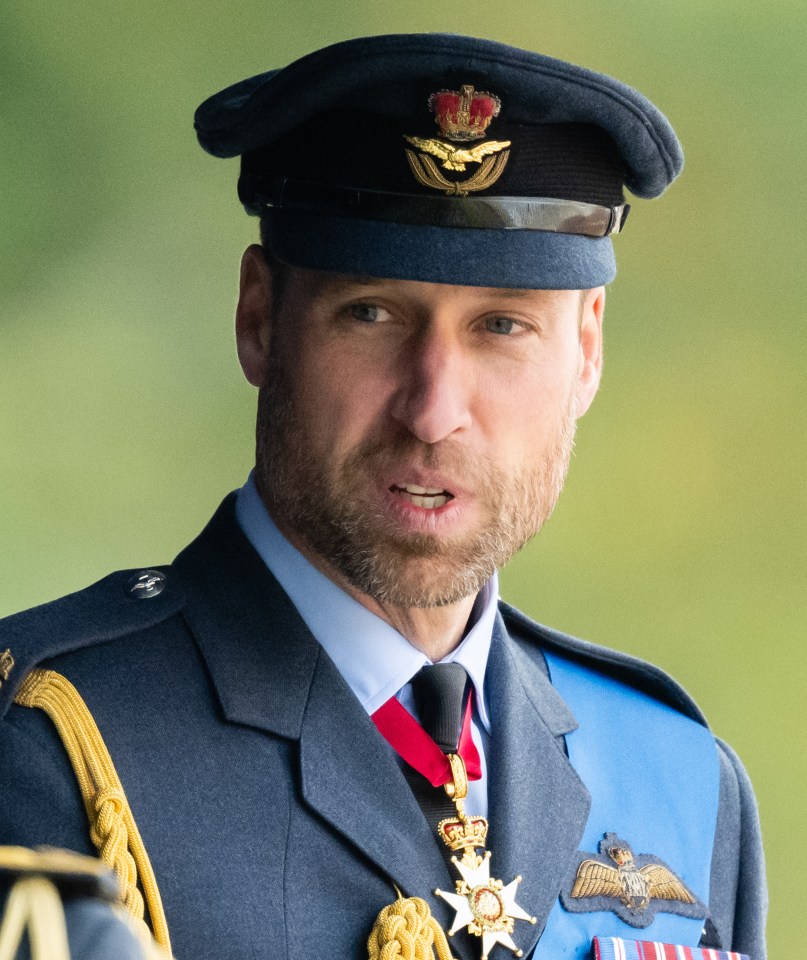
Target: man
[(257, 732)]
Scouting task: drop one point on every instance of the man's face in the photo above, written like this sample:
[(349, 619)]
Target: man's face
[(413, 436)]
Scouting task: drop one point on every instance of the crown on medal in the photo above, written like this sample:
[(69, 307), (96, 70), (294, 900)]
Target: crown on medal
[(464, 114), (459, 834)]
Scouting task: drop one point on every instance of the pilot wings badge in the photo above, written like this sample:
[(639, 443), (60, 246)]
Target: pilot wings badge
[(461, 116), (634, 887)]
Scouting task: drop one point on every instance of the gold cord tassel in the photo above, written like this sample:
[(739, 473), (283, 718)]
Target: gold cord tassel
[(112, 826), (407, 930)]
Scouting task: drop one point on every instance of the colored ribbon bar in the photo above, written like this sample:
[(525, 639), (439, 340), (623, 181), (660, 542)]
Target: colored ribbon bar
[(614, 948), (411, 742)]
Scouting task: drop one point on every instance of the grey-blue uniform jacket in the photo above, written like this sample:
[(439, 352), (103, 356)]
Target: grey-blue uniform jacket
[(276, 817)]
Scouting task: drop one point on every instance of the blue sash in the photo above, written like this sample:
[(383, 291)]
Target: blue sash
[(653, 777)]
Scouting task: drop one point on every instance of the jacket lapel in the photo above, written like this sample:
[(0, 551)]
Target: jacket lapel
[(271, 674), (351, 778), (538, 805)]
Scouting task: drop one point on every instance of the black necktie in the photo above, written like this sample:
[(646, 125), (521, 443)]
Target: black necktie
[(439, 692)]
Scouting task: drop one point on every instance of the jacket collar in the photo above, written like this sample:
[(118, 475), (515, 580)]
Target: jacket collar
[(259, 653)]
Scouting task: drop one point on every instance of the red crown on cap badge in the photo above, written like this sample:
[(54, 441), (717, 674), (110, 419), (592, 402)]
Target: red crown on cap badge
[(464, 114)]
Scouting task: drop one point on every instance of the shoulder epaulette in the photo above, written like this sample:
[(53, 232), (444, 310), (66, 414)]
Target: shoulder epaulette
[(621, 666), (124, 602)]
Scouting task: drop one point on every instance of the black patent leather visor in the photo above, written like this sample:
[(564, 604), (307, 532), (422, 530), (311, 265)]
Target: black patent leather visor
[(494, 213)]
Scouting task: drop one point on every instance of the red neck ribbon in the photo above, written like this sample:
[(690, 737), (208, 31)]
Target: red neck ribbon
[(411, 742)]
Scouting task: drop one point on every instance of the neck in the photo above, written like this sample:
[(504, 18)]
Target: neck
[(435, 631)]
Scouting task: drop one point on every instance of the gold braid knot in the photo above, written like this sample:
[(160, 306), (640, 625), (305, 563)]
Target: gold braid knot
[(406, 930), (111, 838)]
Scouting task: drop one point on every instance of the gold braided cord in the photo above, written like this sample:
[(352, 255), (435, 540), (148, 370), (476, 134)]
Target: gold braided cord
[(406, 930), (112, 827), (34, 907)]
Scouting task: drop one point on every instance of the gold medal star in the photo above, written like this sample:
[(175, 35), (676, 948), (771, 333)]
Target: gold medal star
[(486, 907)]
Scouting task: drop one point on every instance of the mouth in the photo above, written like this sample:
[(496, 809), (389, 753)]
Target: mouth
[(429, 498)]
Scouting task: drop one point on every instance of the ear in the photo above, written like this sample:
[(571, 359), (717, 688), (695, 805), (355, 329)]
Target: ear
[(253, 319), (589, 367)]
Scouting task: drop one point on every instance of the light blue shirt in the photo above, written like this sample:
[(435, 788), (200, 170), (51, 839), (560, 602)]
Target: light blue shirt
[(376, 661)]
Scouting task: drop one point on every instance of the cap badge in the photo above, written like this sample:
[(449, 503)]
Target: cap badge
[(461, 115), (634, 887)]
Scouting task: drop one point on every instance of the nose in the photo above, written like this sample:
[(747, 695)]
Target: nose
[(433, 398)]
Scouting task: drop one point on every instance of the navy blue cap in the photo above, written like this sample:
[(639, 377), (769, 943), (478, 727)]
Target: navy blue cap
[(442, 158)]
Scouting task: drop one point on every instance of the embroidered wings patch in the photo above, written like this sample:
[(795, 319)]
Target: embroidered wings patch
[(634, 887)]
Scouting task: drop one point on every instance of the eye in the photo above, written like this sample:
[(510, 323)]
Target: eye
[(501, 325), (367, 312)]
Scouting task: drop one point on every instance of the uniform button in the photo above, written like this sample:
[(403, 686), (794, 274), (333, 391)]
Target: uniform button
[(147, 584)]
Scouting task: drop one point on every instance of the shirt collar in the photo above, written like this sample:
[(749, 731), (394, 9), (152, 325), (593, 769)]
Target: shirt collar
[(375, 660)]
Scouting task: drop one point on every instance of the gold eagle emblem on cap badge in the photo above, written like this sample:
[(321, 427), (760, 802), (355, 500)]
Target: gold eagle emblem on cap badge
[(461, 115)]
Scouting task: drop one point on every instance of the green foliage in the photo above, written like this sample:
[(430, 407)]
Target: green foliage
[(124, 418)]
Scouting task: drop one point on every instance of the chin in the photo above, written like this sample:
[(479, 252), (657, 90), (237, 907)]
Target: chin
[(415, 582)]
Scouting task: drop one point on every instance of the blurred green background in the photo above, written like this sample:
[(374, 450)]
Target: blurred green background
[(124, 418)]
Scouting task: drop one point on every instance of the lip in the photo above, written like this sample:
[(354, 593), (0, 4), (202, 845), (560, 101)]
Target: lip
[(431, 480), (445, 519)]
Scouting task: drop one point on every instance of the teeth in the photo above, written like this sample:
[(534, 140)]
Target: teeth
[(430, 503), (421, 491), (429, 498)]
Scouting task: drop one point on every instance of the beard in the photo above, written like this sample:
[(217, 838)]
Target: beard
[(318, 501)]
